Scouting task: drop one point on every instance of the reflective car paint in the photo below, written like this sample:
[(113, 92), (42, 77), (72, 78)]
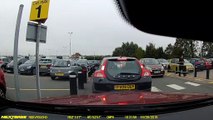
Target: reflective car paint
[(127, 97)]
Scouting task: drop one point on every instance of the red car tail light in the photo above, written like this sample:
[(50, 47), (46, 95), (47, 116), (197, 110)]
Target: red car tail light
[(101, 73), (144, 72)]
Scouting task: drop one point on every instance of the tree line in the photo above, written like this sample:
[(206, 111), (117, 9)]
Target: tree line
[(189, 48)]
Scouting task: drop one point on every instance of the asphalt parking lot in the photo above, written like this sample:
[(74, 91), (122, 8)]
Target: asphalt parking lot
[(49, 88), (56, 88)]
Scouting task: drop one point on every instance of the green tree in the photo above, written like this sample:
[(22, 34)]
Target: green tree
[(207, 49), (140, 53), (128, 49), (117, 52), (160, 53), (168, 51), (150, 51), (185, 46)]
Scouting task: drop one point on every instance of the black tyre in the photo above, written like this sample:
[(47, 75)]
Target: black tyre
[(53, 78), (33, 72), (2, 94)]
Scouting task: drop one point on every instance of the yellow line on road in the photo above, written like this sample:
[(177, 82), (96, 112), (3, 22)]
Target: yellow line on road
[(36, 89), (211, 82)]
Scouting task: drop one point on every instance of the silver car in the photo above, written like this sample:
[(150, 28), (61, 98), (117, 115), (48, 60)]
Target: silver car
[(62, 69)]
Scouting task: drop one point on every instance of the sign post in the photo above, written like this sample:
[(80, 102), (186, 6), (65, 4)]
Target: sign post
[(15, 53), (39, 13), (37, 61)]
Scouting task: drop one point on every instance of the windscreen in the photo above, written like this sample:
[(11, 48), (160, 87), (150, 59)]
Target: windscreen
[(122, 67), (103, 50), (61, 63), (82, 62), (30, 62), (45, 61), (151, 62)]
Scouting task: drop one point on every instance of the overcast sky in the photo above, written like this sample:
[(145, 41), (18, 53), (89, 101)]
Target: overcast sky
[(97, 28)]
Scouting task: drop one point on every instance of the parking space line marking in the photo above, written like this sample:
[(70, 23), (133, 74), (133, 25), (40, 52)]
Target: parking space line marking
[(193, 84), (8, 88), (154, 89), (25, 89), (176, 87)]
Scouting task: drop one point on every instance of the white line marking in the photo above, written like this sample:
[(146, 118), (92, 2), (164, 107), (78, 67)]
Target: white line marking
[(176, 87), (154, 89), (41, 89), (193, 84)]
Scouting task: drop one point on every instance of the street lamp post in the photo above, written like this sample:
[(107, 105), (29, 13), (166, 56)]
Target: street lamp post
[(70, 33)]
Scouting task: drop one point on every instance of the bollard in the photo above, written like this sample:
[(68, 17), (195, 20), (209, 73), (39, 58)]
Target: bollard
[(207, 73), (180, 70), (80, 80), (84, 73), (184, 70), (195, 72), (73, 83), (176, 70)]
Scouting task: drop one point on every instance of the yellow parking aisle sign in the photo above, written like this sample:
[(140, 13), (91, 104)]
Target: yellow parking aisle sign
[(39, 10)]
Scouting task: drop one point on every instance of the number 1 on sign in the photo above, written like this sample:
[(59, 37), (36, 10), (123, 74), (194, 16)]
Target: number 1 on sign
[(39, 11)]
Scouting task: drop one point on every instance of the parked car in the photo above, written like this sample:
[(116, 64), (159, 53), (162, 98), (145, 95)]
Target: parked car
[(10, 66), (174, 65), (153, 66), (2, 84), (83, 63), (62, 68), (163, 62), (211, 59), (121, 73), (3, 62), (198, 63), (29, 67), (45, 64), (207, 63), (94, 65)]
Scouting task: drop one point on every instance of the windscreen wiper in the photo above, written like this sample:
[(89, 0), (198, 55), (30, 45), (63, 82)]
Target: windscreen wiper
[(126, 73)]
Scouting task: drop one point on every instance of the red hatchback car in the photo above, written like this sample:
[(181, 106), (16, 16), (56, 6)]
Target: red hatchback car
[(207, 63), (121, 73), (2, 84)]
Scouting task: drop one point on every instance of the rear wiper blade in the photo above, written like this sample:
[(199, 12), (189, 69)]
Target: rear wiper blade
[(124, 73)]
